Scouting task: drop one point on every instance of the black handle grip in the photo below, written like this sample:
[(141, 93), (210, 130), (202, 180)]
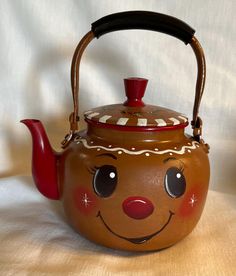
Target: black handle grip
[(143, 20)]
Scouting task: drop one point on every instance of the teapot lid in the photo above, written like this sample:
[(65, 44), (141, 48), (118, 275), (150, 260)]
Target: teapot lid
[(134, 114)]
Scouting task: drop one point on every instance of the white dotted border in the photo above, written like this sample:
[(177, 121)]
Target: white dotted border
[(191, 146)]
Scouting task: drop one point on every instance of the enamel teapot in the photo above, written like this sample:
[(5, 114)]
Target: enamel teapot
[(133, 180)]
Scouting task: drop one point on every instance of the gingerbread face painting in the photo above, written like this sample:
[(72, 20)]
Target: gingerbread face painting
[(134, 198), (133, 179)]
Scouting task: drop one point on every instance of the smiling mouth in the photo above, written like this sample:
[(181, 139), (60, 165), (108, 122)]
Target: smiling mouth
[(138, 240)]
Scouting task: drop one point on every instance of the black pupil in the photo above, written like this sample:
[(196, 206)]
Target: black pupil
[(105, 180), (175, 183)]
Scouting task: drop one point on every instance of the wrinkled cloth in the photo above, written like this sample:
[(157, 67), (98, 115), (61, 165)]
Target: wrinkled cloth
[(35, 239)]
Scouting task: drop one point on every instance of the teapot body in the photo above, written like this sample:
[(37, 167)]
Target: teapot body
[(133, 180), (134, 190)]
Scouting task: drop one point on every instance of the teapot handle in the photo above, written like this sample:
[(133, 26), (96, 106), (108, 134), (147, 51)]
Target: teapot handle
[(139, 20)]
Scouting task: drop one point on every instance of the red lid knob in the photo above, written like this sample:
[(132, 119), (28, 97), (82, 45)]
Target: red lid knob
[(134, 90)]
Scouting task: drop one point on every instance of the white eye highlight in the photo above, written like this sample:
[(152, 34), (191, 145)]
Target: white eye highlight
[(178, 175), (112, 175)]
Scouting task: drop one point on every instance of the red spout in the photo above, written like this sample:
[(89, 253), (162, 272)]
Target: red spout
[(44, 160)]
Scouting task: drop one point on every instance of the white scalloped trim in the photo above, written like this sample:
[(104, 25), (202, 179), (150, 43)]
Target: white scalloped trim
[(191, 146)]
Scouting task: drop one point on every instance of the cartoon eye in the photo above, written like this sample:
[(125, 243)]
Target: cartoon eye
[(175, 183), (105, 180)]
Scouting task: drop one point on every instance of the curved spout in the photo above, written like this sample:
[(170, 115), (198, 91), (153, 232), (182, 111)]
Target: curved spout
[(44, 160)]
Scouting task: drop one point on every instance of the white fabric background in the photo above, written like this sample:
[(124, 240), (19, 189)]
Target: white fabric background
[(37, 43)]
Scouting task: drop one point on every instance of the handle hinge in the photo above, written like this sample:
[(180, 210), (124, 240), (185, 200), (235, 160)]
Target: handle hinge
[(197, 129), (197, 133), (67, 140), (73, 128)]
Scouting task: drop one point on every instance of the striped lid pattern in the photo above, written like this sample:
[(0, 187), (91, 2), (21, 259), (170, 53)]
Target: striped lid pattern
[(147, 116)]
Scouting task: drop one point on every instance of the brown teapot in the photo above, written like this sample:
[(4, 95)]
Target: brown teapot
[(133, 179)]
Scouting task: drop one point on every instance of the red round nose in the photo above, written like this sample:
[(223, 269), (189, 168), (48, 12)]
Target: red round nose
[(137, 207)]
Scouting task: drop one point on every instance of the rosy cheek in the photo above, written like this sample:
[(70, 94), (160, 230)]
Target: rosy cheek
[(191, 202), (85, 200)]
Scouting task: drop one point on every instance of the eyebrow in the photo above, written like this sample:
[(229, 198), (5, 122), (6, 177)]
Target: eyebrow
[(168, 159), (173, 158), (107, 154)]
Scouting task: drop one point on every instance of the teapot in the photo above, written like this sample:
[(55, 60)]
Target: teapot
[(133, 180)]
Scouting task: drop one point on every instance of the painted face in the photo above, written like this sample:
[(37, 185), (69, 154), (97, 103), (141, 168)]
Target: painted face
[(139, 196)]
